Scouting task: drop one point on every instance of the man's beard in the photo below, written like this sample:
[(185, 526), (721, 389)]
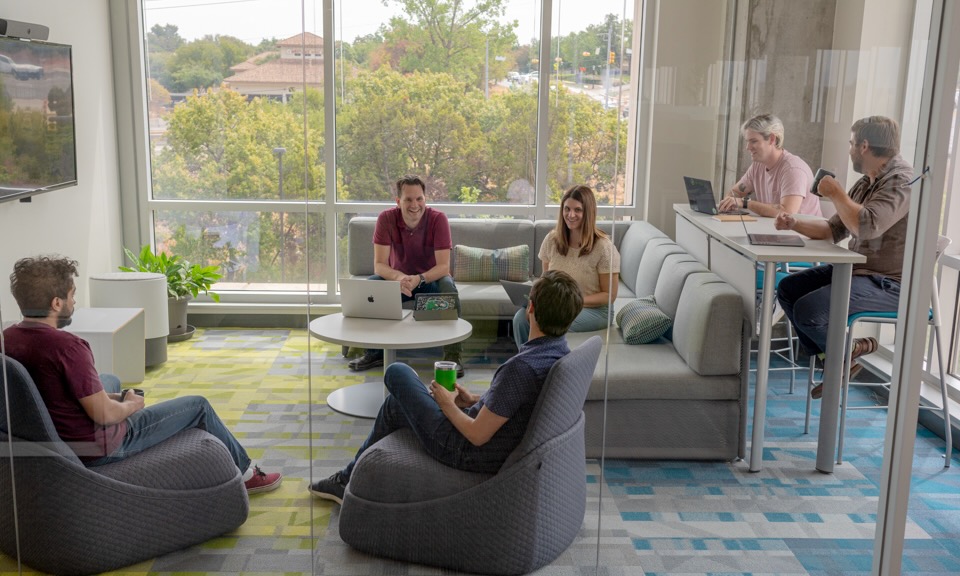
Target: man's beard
[(857, 160), (64, 321)]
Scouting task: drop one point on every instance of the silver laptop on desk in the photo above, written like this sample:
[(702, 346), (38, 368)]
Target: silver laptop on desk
[(363, 298), (775, 240)]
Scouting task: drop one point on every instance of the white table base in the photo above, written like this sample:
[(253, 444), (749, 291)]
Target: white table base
[(361, 400)]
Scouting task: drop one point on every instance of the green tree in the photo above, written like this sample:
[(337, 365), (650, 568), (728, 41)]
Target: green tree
[(393, 124), (204, 63), (165, 38), (220, 146), (449, 36)]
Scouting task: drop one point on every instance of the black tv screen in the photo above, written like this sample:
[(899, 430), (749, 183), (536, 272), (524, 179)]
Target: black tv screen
[(37, 142)]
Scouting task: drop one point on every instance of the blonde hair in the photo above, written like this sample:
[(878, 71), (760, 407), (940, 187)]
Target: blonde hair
[(765, 124)]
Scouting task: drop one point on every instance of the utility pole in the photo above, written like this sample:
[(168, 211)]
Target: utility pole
[(279, 151), (606, 96), (486, 69)]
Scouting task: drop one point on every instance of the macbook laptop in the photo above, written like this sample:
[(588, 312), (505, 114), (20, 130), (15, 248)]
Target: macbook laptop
[(363, 298), (519, 292), (700, 195), (775, 240)]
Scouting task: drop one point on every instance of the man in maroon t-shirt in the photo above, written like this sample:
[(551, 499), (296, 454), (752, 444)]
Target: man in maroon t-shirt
[(411, 245), (100, 426)]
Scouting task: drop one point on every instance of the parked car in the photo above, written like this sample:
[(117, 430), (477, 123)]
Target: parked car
[(19, 71)]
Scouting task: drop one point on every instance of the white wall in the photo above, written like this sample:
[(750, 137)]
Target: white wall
[(83, 221)]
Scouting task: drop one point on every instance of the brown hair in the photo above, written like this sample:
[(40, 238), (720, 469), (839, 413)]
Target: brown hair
[(410, 180), (882, 134), (588, 226), (557, 301), (35, 282)]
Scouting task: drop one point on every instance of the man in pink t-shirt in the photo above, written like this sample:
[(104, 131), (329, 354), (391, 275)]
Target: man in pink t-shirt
[(411, 245), (777, 181)]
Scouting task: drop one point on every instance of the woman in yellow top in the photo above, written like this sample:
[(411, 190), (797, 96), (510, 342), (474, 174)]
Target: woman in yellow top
[(578, 248)]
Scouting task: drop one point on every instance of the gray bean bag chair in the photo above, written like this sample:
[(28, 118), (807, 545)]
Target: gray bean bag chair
[(402, 504), (77, 520)]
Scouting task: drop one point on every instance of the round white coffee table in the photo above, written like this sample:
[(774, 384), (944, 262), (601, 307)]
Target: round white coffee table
[(364, 400)]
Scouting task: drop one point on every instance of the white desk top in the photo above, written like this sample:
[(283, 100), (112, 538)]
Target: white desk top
[(403, 334), (732, 234), (107, 320)]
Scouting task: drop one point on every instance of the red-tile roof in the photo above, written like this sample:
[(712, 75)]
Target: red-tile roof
[(281, 71), (300, 39)]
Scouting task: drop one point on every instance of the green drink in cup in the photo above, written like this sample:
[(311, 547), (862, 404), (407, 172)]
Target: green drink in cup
[(445, 373)]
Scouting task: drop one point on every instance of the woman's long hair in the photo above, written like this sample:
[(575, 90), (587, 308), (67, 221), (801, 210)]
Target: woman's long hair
[(588, 224)]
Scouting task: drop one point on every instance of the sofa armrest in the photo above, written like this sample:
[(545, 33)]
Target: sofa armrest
[(706, 330)]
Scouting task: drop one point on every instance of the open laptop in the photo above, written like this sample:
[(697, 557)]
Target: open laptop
[(363, 298), (773, 239), (700, 195), (519, 292)]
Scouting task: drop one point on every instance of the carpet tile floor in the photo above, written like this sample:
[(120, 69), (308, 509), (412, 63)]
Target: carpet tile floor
[(697, 518)]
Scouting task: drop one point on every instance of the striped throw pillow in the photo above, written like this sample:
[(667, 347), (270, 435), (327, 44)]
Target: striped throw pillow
[(642, 321), (482, 265)]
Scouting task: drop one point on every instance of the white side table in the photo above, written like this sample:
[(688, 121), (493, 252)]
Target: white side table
[(116, 336), (364, 400), (137, 290)]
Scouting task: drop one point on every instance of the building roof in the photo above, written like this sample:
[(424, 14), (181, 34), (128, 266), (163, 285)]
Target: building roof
[(281, 72), (300, 39)]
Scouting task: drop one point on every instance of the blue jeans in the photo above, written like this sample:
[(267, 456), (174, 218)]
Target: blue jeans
[(444, 285), (805, 299), (111, 384), (588, 320), (157, 423), (410, 405)]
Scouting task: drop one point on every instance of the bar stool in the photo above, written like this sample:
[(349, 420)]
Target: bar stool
[(890, 318)]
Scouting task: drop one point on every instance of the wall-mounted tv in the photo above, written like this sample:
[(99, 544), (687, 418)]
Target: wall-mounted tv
[(37, 140)]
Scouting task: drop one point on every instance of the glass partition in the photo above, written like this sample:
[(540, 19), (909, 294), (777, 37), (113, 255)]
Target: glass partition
[(240, 102)]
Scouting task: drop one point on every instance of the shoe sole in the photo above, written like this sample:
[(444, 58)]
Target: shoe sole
[(265, 487), (364, 367), (325, 496), (817, 391)]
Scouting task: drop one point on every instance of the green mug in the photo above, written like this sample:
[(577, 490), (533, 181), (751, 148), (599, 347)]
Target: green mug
[(445, 373)]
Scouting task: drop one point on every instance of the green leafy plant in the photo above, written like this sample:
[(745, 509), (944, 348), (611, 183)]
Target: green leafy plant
[(183, 279)]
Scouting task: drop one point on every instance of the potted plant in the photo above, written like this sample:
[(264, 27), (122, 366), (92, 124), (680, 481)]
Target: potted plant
[(184, 282)]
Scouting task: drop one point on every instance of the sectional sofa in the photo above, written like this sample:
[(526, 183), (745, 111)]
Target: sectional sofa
[(683, 396)]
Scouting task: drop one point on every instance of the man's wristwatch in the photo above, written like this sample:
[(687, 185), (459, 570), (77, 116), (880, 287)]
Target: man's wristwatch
[(422, 280), (744, 202)]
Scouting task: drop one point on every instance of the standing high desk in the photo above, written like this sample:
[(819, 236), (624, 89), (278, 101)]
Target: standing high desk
[(724, 249)]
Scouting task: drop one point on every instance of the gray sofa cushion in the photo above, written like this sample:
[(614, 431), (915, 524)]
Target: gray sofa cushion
[(652, 371), (707, 325), (476, 232), (655, 252), (632, 243), (673, 275)]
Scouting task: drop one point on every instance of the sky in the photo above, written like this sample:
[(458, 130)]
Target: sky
[(255, 20)]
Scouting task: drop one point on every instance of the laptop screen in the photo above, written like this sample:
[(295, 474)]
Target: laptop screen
[(700, 195)]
